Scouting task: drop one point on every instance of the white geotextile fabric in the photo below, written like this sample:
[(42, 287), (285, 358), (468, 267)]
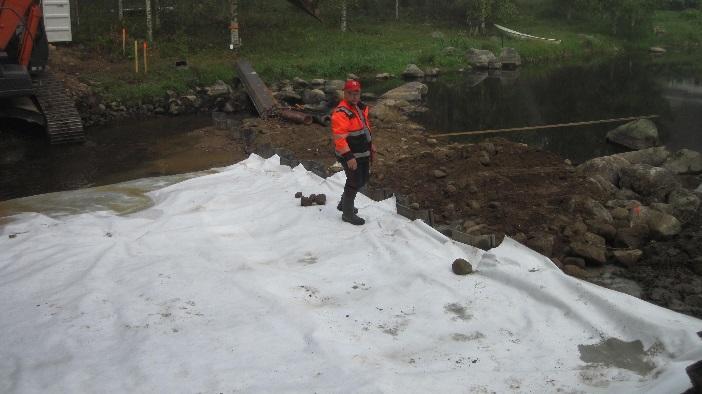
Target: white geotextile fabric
[(227, 285)]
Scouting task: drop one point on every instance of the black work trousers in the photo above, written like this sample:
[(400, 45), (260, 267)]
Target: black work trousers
[(356, 179)]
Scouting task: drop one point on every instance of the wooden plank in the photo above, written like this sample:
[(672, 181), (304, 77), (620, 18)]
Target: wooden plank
[(261, 96)]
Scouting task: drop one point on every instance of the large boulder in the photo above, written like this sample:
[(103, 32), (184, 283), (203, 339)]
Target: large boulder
[(218, 89), (412, 71), (509, 57), (313, 96), (652, 156), (480, 58), (634, 236), (318, 83), (542, 243), (685, 203), (607, 167), (590, 208), (300, 83), (646, 180), (601, 228), (334, 86), (639, 134), (603, 185), (661, 225), (628, 258), (431, 72), (684, 161), (411, 91), (590, 246), (387, 111), (288, 96)]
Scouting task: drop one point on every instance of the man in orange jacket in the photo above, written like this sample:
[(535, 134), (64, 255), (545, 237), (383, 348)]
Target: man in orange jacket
[(353, 144)]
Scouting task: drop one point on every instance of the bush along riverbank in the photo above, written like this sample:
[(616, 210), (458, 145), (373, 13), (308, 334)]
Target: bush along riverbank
[(99, 105)]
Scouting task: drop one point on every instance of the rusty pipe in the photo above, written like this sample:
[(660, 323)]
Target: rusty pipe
[(295, 116)]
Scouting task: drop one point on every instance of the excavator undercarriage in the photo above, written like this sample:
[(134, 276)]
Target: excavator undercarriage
[(28, 91)]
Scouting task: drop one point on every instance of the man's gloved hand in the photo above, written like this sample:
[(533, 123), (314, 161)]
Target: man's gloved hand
[(353, 164)]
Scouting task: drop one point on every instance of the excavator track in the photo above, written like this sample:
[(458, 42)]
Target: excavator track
[(63, 123)]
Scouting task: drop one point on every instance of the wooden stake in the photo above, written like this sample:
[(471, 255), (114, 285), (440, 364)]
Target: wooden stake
[(146, 61), (136, 56), (551, 126), (124, 41)]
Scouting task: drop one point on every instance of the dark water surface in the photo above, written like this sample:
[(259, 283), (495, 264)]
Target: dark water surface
[(533, 96), (123, 151)]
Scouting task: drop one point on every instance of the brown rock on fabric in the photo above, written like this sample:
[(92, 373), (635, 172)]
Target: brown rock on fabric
[(321, 199), (306, 201), (461, 267), (298, 195)]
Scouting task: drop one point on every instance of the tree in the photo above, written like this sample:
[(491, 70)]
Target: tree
[(149, 23), (485, 12), (235, 40), (629, 18), (343, 16)]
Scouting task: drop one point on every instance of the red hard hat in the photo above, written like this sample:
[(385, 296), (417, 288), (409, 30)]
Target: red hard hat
[(352, 86)]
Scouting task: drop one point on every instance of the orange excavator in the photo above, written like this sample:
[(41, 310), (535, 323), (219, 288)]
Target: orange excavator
[(27, 90)]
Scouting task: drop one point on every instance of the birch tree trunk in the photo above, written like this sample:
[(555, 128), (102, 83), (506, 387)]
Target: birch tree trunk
[(149, 23), (157, 14), (343, 16), (120, 9), (397, 10), (76, 13), (234, 40)]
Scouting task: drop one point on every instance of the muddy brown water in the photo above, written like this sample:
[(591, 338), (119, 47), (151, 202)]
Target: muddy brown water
[(124, 151)]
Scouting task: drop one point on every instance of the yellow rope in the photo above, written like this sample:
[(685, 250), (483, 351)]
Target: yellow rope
[(551, 126)]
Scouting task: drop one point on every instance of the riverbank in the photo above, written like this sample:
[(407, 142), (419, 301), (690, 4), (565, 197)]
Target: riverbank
[(301, 47)]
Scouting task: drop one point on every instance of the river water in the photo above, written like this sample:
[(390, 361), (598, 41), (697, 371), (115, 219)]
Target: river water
[(534, 96), (457, 102), (123, 151)]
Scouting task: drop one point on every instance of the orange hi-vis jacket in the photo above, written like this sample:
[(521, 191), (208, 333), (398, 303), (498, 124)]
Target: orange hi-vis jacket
[(351, 131)]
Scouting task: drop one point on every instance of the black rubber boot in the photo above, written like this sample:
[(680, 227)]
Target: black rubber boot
[(349, 216), (340, 207)]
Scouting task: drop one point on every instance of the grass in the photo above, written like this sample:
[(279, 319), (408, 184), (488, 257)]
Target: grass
[(283, 47)]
